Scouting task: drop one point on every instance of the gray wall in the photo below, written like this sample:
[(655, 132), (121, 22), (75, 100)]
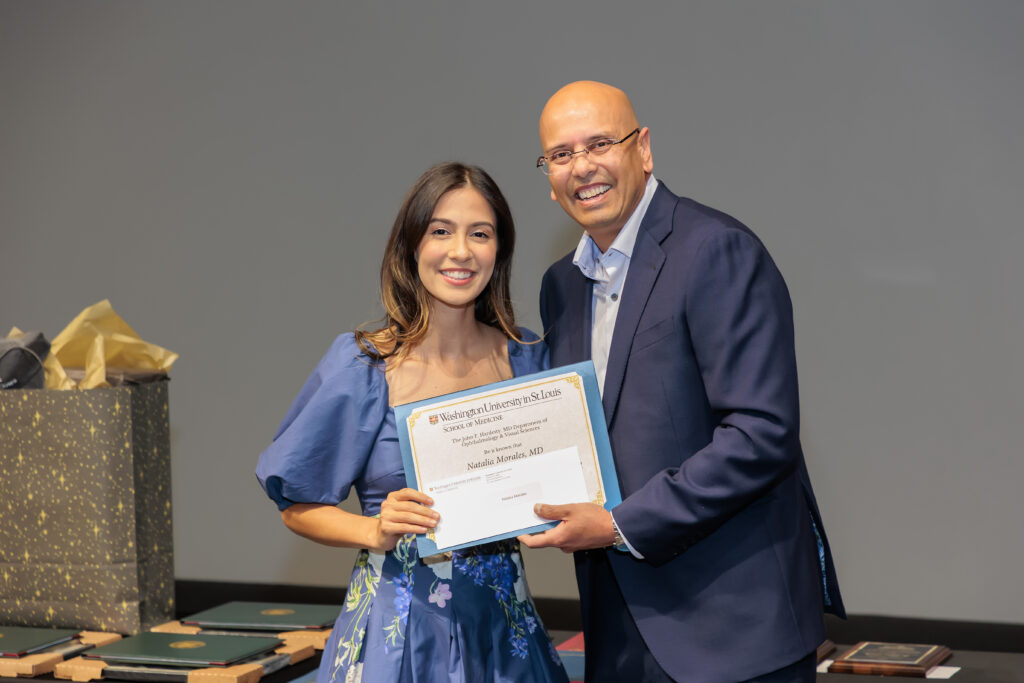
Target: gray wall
[(226, 174)]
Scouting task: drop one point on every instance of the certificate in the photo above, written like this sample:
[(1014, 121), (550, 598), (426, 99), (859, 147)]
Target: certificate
[(487, 455)]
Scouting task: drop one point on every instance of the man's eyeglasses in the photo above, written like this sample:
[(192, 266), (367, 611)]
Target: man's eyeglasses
[(564, 157)]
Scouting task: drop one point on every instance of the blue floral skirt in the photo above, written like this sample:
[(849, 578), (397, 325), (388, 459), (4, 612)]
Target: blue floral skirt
[(467, 616)]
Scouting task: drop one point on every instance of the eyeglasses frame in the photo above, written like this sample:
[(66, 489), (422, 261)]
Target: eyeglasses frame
[(544, 162)]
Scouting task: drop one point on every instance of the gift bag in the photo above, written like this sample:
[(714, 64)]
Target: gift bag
[(85, 484), (85, 503)]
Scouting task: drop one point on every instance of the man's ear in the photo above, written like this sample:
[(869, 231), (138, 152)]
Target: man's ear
[(553, 197), (645, 149)]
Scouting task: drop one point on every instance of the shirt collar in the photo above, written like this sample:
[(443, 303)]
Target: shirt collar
[(588, 255)]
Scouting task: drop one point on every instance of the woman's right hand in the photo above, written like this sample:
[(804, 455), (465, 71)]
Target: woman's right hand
[(403, 512)]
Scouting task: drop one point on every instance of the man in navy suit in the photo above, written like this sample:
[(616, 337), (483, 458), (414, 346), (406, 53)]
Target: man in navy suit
[(715, 567)]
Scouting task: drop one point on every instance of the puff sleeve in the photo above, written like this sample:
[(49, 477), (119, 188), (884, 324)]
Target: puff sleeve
[(325, 440)]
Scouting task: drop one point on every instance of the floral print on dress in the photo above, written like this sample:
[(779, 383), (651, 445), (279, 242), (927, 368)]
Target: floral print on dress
[(492, 566), (406, 555), (358, 600), (440, 593), (386, 585)]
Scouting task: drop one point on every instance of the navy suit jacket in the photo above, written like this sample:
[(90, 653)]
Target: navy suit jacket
[(701, 402)]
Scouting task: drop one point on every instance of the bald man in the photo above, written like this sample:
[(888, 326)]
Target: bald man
[(715, 567)]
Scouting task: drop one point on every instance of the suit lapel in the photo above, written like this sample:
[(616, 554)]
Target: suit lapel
[(581, 338), (644, 267), (576, 328)]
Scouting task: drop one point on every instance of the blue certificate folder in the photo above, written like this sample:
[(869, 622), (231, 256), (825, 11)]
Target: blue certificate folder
[(599, 430)]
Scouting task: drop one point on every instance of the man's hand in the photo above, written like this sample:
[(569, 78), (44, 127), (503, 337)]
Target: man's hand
[(584, 526)]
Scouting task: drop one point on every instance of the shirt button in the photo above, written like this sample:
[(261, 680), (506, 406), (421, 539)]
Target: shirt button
[(615, 296)]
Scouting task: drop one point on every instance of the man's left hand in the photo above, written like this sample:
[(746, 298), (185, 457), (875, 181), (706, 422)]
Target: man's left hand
[(584, 526)]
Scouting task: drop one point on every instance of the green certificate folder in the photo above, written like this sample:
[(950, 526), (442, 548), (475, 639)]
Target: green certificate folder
[(16, 641), (173, 649), (265, 616)]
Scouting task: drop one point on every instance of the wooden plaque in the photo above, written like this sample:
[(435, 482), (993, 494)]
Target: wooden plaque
[(890, 659)]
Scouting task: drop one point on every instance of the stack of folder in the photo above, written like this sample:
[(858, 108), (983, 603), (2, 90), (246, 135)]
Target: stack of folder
[(265, 616), (18, 641), (292, 623), (237, 641), (169, 649), (28, 652)]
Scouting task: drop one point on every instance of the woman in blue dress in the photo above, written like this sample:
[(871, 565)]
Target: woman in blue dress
[(448, 326)]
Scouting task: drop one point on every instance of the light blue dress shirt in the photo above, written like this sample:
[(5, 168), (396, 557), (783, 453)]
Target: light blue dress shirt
[(608, 273)]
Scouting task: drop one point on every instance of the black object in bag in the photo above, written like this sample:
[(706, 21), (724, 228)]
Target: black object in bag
[(21, 361)]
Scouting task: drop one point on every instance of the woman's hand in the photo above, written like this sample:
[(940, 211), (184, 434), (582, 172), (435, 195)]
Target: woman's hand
[(403, 512)]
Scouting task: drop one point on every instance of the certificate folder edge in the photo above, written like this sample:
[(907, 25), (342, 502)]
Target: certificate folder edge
[(247, 614), (151, 648), (31, 639), (595, 410)]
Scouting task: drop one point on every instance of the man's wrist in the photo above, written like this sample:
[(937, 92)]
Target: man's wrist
[(619, 543)]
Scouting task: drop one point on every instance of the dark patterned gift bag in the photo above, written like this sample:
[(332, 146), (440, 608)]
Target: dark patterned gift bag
[(85, 484), (85, 503)]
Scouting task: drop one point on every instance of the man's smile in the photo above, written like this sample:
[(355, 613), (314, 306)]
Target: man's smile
[(591, 191)]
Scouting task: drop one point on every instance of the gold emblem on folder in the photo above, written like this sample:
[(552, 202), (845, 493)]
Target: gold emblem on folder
[(187, 644)]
